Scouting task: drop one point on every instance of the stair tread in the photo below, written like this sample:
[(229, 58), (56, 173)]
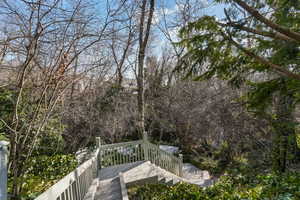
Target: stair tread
[(109, 189)]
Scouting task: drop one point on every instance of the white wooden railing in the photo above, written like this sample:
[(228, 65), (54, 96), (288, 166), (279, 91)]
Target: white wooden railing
[(128, 152), (75, 185), (163, 159), (121, 153), (3, 169)]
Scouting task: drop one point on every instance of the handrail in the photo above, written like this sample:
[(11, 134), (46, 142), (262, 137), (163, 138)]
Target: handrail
[(127, 152), (123, 187), (122, 144), (74, 185), (121, 153), (163, 159)]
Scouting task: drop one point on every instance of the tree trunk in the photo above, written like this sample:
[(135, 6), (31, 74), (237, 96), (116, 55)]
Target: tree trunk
[(143, 40), (284, 129)]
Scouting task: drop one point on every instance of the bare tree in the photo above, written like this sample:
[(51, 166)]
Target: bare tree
[(144, 32), (123, 38), (45, 37)]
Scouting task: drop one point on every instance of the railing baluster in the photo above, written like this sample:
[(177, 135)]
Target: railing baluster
[(84, 183), (141, 152), (70, 192), (80, 186), (155, 156), (151, 153), (138, 153), (121, 155), (111, 150), (74, 190), (119, 150), (109, 157), (67, 194), (164, 157), (103, 158), (114, 156), (73, 197), (77, 190), (173, 166), (133, 156), (126, 155)]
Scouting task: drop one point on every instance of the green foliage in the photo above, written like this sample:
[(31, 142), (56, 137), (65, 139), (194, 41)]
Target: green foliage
[(6, 109), (260, 187), (106, 103), (6, 102), (298, 140), (51, 141), (215, 160), (43, 171), (228, 50)]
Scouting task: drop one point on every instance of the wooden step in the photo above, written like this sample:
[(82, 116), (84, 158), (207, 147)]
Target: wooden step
[(148, 180), (109, 189)]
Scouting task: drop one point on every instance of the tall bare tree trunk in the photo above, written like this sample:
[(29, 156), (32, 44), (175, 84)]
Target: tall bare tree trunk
[(143, 40)]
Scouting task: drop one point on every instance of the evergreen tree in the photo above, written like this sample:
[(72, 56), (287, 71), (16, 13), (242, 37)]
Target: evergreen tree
[(256, 44)]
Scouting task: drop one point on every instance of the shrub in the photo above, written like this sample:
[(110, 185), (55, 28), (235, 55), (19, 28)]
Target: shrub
[(43, 171), (260, 187)]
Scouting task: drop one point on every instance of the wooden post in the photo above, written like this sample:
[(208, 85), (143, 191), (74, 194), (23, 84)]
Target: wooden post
[(145, 136), (180, 165), (145, 146), (3, 169), (98, 144)]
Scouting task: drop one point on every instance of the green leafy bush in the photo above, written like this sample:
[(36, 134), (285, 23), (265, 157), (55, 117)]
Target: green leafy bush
[(43, 171), (260, 187)]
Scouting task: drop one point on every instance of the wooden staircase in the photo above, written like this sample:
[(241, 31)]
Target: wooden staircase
[(115, 167)]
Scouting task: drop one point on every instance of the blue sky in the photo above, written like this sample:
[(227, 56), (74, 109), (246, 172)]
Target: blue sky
[(171, 8), (214, 10)]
